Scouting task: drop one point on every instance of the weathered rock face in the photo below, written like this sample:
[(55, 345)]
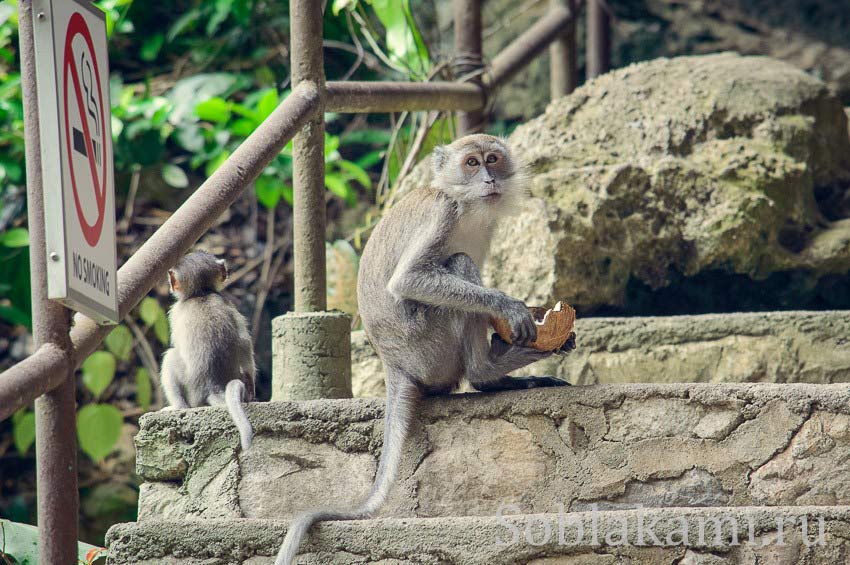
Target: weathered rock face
[(719, 162)]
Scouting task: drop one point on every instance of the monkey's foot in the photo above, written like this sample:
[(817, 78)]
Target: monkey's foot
[(519, 383)]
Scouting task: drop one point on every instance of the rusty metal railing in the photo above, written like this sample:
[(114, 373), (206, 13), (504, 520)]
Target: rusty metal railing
[(47, 376)]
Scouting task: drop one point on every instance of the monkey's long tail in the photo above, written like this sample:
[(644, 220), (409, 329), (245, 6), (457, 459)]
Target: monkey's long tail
[(233, 395), (402, 398)]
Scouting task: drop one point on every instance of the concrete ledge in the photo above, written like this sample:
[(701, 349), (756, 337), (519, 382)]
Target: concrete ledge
[(612, 445), (645, 536), (781, 347)]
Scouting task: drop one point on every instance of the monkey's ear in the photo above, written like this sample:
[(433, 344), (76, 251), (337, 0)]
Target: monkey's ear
[(438, 158), (172, 281), (222, 266)]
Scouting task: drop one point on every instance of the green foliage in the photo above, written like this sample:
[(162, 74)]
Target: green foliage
[(98, 429), (15, 283), (98, 372), (143, 388), (230, 122), (174, 176), (154, 316), (19, 545), (120, 342), (23, 430), (15, 237), (404, 42)]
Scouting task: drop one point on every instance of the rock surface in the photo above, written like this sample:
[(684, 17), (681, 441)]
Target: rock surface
[(614, 446), (779, 347), (718, 162), (648, 537)]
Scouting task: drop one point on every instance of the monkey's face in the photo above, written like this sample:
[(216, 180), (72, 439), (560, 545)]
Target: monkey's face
[(475, 169)]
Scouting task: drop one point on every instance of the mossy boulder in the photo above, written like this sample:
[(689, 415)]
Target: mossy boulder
[(674, 167)]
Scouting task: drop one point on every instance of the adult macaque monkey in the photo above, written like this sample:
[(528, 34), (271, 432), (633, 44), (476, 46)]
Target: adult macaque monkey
[(424, 307), (211, 360)]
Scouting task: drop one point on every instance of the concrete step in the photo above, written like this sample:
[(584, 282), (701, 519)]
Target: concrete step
[(781, 347), (715, 536), (613, 445)]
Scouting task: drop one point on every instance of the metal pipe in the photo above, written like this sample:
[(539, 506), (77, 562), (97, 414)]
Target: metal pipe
[(468, 56), (563, 54), (200, 211), (308, 161), (55, 411), (359, 97), (528, 45), (598, 38), (39, 373)]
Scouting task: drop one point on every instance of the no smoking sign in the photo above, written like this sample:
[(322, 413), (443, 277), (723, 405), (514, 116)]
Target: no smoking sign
[(77, 166)]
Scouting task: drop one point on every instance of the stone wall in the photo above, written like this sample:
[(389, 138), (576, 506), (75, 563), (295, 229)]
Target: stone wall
[(613, 446)]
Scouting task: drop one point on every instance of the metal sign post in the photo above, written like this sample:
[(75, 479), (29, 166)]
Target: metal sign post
[(76, 140)]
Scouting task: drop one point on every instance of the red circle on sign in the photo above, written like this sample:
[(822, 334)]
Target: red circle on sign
[(77, 26)]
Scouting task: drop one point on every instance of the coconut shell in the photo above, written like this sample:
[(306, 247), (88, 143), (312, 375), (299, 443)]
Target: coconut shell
[(551, 334)]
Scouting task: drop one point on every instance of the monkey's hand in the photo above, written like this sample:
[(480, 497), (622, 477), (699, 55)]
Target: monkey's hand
[(569, 345), (523, 328)]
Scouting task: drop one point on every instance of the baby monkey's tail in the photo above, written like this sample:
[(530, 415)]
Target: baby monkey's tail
[(234, 394)]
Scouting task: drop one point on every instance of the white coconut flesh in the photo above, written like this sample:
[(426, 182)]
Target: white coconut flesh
[(542, 322)]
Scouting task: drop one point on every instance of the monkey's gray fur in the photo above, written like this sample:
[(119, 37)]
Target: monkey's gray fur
[(424, 307), (211, 360)]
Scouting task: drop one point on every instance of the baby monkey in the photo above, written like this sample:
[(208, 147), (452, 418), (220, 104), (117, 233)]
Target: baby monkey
[(211, 360)]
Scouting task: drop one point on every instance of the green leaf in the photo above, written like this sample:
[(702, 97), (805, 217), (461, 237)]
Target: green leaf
[(268, 191), (222, 9), (267, 104), (187, 92), (423, 58), (98, 429), (174, 176), (215, 110), (98, 371), (340, 5), (371, 158), (246, 112), (160, 329), (11, 170), (331, 144), (367, 137), (182, 23), (143, 388), (243, 127), (339, 187), (120, 342), (404, 42), (216, 162), (15, 237), (150, 311), (20, 542), (286, 193), (356, 172), (190, 138), (23, 431), (15, 316), (151, 46)]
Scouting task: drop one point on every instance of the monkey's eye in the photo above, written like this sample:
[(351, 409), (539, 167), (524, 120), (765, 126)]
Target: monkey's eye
[(491, 158), (472, 162)]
